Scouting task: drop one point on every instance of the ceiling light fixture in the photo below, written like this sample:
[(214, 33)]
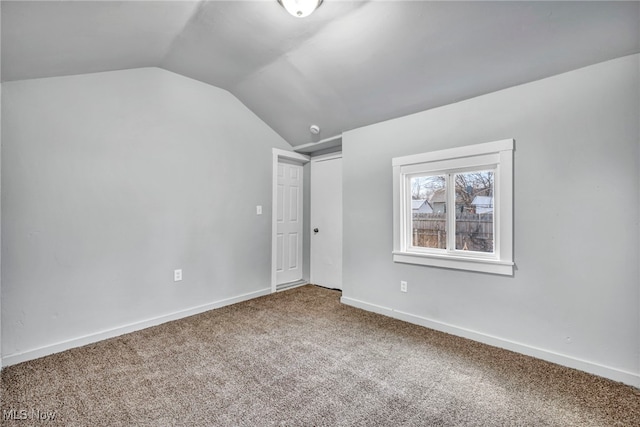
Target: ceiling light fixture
[(300, 8)]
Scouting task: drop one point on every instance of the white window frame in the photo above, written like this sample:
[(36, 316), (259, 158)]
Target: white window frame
[(496, 156)]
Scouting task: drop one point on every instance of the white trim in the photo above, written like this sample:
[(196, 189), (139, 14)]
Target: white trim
[(482, 265), (615, 374), (325, 157), (291, 155), (453, 165), (455, 153), (323, 144), (46, 350), (367, 306), (277, 155), (497, 156)]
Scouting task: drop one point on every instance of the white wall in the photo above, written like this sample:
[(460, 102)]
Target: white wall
[(110, 181), (574, 298)]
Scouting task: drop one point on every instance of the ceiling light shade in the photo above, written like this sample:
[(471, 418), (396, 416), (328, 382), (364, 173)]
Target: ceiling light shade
[(300, 8)]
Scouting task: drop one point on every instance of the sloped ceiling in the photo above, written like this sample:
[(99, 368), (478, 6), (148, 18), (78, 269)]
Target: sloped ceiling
[(350, 64)]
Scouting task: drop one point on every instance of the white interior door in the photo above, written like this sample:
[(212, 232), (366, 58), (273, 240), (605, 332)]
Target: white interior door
[(289, 223), (326, 222)]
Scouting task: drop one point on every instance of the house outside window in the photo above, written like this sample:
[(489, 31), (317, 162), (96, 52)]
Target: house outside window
[(468, 223)]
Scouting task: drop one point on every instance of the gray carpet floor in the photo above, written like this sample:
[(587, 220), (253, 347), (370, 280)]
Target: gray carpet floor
[(300, 358)]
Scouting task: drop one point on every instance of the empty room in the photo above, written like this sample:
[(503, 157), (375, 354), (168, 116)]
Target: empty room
[(320, 213)]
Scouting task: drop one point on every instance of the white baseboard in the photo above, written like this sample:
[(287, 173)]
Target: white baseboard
[(629, 378), (12, 359)]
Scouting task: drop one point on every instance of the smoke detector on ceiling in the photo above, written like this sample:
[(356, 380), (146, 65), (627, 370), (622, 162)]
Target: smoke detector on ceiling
[(314, 129)]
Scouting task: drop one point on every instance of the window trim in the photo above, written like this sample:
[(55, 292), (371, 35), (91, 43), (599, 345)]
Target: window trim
[(497, 155)]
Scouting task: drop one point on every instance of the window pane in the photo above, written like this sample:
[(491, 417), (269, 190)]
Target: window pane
[(474, 211), (429, 207)]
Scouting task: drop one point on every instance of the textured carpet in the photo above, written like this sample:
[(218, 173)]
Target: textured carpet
[(300, 358)]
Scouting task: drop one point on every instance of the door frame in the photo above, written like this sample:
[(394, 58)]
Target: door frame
[(278, 155)]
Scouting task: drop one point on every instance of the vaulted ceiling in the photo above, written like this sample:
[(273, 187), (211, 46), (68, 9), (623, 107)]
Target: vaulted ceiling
[(350, 64)]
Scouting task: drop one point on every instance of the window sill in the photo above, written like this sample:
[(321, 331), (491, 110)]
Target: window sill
[(455, 262)]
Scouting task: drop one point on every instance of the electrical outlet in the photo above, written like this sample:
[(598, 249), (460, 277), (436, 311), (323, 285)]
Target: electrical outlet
[(177, 275), (403, 286)]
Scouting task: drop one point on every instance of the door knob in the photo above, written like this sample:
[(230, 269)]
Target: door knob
[(315, 230)]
